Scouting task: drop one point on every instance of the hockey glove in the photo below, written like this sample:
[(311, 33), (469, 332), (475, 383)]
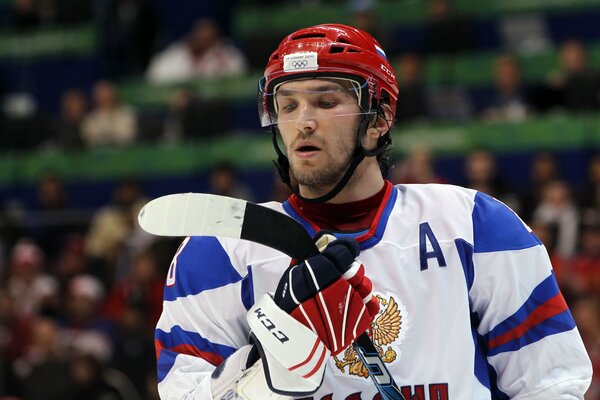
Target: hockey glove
[(330, 294), (320, 306)]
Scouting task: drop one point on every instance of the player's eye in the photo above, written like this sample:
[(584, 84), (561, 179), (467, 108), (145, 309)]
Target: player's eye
[(287, 107), (327, 103)]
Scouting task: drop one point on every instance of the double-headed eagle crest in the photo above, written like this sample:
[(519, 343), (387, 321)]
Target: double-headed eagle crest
[(385, 329)]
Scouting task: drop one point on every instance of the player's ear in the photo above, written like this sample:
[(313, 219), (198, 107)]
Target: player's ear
[(381, 123)]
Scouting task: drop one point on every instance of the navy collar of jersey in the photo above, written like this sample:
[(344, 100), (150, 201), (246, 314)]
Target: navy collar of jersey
[(367, 238)]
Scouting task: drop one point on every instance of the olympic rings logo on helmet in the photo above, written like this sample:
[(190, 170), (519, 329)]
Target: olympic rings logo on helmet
[(299, 64)]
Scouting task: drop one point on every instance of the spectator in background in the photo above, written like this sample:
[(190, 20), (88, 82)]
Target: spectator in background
[(412, 98), (481, 174), (82, 326), (279, 190), (111, 226), (364, 16), (446, 32), (92, 380), (586, 311), (51, 192), (584, 269), (578, 83), (24, 125), (66, 129), (51, 217), (109, 123), (43, 369), (12, 229), (142, 289), (590, 196), (190, 117), (547, 235), (224, 181), (28, 283), (128, 34), (135, 305), (418, 167), (71, 260), (558, 208), (15, 332), (25, 15), (65, 12), (509, 102), (543, 170), (203, 53)]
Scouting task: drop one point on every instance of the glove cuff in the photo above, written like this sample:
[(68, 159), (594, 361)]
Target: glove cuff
[(237, 379), (294, 358)]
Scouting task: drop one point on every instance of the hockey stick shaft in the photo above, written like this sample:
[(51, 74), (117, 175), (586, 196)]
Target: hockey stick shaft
[(200, 214)]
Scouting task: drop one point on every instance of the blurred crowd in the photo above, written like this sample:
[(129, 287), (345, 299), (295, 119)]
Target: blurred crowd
[(81, 293), (134, 45), (81, 289)]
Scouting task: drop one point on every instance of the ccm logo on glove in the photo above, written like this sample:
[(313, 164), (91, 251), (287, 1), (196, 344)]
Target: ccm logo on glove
[(267, 323)]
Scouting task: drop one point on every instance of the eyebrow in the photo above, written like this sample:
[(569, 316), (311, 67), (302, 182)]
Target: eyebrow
[(321, 88)]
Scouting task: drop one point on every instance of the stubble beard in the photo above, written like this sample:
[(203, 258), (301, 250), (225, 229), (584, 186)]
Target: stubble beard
[(317, 178)]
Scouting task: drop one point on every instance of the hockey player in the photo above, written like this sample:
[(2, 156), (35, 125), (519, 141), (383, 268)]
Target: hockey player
[(457, 293)]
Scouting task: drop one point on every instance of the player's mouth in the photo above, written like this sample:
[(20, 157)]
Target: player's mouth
[(306, 150)]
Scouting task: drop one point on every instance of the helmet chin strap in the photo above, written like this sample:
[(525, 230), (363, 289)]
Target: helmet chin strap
[(283, 164)]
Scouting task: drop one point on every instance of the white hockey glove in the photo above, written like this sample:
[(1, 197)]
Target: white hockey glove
[(241, 377), (319, 308)]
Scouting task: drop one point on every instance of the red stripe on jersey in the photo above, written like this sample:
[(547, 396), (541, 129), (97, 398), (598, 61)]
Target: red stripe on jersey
[(550, 308), (158, 347), (375, 222)]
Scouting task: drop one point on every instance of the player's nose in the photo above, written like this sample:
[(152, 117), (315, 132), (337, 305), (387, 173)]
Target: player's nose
[(306, 121)]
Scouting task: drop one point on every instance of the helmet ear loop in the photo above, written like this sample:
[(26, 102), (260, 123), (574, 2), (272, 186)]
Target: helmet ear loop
[(383, 141), (282, 163)]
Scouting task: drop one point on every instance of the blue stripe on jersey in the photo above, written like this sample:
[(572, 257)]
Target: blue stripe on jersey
[(484, 371), (465, 253), (165, 362), (497, 228), (179, 340), (543, 314), (292, 213), (352, 235), (248, 290), (201, 265)]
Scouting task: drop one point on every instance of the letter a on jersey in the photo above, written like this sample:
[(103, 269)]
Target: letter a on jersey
[(426, 235)]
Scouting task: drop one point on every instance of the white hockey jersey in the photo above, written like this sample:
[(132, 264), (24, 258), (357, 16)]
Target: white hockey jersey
[(481, 315)]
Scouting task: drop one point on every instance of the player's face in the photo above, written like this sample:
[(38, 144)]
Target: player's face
[(318, 121)]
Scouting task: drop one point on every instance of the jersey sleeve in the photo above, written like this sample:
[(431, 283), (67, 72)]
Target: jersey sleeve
[(203, 319), (527, 342)]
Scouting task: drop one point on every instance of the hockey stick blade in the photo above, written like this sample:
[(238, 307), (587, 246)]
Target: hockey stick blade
[(202, 214)]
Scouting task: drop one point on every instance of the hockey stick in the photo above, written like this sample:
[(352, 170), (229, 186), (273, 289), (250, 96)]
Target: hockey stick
[(200, 214)]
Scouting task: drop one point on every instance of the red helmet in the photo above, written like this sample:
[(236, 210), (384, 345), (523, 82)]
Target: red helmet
[(331, 50)]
